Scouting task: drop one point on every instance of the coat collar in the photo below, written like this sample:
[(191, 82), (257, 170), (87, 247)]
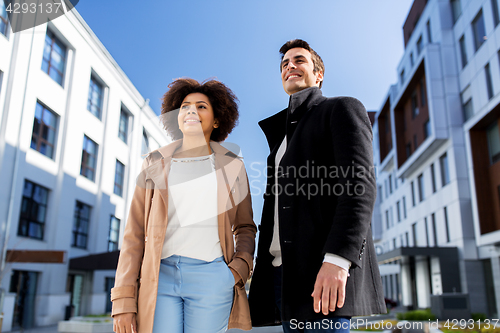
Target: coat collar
[(274, 127), (167, 151)]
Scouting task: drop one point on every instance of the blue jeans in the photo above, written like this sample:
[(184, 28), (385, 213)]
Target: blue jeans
[(327, 325), (194, 296)]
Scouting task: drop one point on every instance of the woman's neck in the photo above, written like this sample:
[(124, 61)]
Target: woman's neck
[(193, 147)]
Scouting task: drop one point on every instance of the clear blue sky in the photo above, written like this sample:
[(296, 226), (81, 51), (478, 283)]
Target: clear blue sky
[(237, 42)]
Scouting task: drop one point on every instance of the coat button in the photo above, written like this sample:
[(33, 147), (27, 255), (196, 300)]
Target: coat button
[(360, 257)]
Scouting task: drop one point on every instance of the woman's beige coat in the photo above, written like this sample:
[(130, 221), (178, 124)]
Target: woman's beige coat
[(136, 281)]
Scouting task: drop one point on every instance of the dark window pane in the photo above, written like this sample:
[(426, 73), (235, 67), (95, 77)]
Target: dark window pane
[(44, 131), (456, 9), (467, 109), (33, 210), (54, 57), (493, 138), (479, 31)]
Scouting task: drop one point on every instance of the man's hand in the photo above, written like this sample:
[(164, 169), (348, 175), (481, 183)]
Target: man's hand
[(125, 323), (329, 289)]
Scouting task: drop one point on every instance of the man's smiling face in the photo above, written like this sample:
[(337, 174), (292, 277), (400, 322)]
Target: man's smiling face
[(297, 71)]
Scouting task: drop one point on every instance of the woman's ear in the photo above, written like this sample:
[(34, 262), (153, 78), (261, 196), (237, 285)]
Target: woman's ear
[(216, 123)]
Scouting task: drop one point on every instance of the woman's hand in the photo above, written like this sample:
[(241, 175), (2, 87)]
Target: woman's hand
[(125, 323)]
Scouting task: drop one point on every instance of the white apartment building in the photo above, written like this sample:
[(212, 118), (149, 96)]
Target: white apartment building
[(437, 150), (73, 132)]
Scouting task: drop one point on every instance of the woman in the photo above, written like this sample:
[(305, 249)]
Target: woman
[(179, 268)]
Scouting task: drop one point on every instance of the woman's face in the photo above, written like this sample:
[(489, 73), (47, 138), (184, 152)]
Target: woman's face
[(196, 116)]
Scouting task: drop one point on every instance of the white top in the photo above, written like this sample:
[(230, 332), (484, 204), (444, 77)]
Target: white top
[(192, 229), (275, 248)]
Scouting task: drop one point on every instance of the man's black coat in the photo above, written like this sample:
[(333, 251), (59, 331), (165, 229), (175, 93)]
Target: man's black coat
[(326, 190)]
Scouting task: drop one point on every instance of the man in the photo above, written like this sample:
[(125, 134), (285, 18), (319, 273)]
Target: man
[(316, 265)]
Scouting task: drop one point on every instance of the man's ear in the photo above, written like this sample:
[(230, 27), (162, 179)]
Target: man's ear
[(319, 76)]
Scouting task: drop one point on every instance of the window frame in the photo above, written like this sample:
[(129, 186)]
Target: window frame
[(54, 39), (476, 30), (493, 156), (39, 136), (433, 178), (445, 171), (420, 45), (30, 202), (463, 51), (76, 224), (85, 154), (123, 135), (113, 244), (421, 188), (117, 185), (489, 81), (494, 10), (93, 83), (4, 20), (468, 110)]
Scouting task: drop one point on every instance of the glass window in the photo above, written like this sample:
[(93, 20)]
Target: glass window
[(426, 231), (434, 229), (421, 188), (94, 102), (445, 173), (33, 210), (413, 200), (414, 232), (489, 83), (428, 29), (119, 176), (123, 126), (479, 32), (387, 219), (408, 149), (89, 158), (379, 194), (145, 143), (467, 110), (4, 23), (114, 233), (493, 136), (433, 178), (463, 51), (423, 97), (54, 57), (390, 184), (456, 10), (420, 45), (398, 209), (81, 225), (404, 207), (43, 137), (412, 60), (427, 129), (402, 76), (446, 225), (494, 9), (414, 105)]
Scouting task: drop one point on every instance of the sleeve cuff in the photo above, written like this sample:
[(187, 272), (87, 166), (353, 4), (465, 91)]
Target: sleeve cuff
[(337, 260)]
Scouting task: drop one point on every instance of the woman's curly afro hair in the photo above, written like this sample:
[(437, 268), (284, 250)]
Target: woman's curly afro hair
[(222, 99)]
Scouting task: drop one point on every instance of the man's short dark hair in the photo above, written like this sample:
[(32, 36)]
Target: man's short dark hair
[(317, 61), (222, 99)]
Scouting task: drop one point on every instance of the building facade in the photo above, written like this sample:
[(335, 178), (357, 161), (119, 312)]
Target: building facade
[(73, 133), (437, 150)]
